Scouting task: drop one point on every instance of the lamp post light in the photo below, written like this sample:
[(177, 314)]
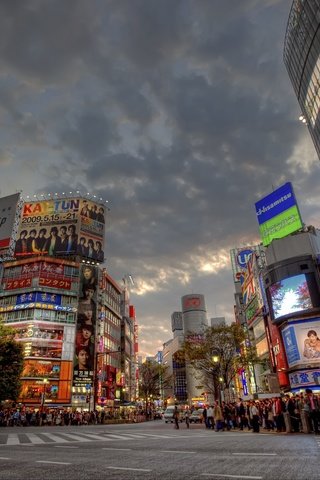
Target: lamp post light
[(43, 394), (216, 371)]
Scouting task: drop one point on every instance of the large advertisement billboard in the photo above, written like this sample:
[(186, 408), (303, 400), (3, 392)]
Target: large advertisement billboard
[(84, 360), (8, 206), (278, 214), (68, 226), (240, 256), (302, 342)]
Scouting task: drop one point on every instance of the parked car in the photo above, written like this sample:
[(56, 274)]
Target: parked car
[(157, 415), (196, 416), (168, 414)]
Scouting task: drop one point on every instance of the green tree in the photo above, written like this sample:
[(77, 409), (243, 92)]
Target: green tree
[(153, 378), (11, 364), (218, 355)]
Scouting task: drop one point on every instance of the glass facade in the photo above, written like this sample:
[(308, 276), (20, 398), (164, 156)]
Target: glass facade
[(302, 60)]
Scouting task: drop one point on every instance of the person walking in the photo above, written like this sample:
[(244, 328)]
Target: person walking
[(187, 417), (176, 417), (210, 417), (218, 418)]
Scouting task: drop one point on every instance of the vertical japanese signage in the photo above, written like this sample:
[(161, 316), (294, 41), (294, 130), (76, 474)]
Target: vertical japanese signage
[(84, 361)]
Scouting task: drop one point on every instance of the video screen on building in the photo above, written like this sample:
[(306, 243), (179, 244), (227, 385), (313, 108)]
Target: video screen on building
[(290, 295)]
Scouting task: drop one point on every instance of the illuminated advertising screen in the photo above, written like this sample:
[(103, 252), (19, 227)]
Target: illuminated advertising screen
[(278, 214), (302, 342), (290, 295), (72, 226), (8, 206), (84, 360)]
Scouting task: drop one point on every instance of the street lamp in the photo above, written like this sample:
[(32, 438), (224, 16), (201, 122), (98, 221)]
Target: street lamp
[(43, 395), (216, 375)]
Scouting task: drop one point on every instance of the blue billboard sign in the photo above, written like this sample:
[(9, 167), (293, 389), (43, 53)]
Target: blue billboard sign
[(275, 203), (39, 297), (291, 345)]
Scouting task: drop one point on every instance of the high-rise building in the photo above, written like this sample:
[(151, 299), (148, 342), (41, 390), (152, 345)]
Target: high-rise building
[(66, 309), (301, 57)]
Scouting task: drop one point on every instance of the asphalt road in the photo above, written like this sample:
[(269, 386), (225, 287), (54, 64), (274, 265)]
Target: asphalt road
[(155, 450)]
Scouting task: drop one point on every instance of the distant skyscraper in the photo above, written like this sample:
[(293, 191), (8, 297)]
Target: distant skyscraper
[(302, 59), (176, 323), (218, 322), (194, 317), (194, 313)]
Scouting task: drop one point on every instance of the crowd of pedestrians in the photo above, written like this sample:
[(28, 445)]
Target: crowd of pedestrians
[(11, 417), (268, 414)]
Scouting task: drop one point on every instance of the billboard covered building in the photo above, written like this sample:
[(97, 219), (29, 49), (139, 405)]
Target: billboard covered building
[(63, 305)]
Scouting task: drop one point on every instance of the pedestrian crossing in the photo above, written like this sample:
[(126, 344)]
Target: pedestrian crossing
[(42, 438)]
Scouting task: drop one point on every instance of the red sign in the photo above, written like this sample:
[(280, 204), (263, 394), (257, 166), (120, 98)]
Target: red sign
[(16, 284), (55, 282)]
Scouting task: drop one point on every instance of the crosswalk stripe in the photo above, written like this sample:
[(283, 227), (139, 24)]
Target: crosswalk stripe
[(117, 437), (135, 435), (13, 439), (96, 437), (75, 437), (34, 438), (55, 438)]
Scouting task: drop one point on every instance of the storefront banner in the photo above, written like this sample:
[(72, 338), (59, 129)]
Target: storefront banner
[(302, 342), (48, 298), (17, 284), (304, 378)]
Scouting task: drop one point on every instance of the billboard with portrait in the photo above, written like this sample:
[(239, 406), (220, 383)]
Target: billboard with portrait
[(61, 226), (8, 206), (302, 342), (84, 359), (278, 214)]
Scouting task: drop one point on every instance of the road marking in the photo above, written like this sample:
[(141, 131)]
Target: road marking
[(131, 469), (229, 476), (75, 437), (112, 448), (55, 463), (64, 446), (5, 458), (13, 439), (175, 451), (55, 438), (257, 454), (34, 438)]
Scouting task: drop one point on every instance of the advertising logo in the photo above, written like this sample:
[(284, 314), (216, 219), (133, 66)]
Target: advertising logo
[(278, 214)]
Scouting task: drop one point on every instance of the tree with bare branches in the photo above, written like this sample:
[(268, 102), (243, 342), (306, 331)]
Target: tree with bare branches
[(218, 355)]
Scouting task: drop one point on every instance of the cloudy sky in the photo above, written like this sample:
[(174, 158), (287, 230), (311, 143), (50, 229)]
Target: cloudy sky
[(179, 112)]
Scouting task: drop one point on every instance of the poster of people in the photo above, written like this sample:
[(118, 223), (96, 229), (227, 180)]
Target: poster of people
[(63, 226), (84, 359), (302, 342)]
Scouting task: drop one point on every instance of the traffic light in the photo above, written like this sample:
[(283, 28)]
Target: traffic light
[(88, 399)]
